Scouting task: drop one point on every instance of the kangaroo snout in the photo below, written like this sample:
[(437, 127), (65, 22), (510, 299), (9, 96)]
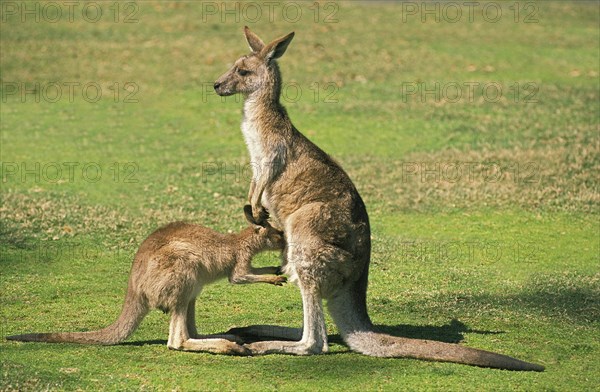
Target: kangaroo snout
[(222, 90), (218, 88)]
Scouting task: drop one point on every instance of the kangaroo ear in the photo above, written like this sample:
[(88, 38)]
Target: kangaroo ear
[(277, 48), (254, 42)]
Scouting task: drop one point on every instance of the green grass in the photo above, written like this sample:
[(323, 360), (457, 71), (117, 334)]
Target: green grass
[(507, 263)]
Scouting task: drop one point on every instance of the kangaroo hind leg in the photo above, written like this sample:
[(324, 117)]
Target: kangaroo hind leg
[(314, 333), (179, 338), (313, 338)]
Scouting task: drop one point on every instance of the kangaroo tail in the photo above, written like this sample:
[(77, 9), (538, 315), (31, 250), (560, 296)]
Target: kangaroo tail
[(132, 314), (382, 345), (349, 312)]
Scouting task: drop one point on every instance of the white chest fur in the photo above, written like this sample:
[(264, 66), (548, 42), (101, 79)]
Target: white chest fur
[(254, 144), (257, 154), (253, 140), (256, 147)]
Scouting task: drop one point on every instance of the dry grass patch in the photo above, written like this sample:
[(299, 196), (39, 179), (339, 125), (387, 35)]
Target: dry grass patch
[(558, 176), (38, 215)]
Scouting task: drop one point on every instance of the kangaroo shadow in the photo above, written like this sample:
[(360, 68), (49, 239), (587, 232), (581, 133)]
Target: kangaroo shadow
[(448, 333), (160, 342), (452, 332)]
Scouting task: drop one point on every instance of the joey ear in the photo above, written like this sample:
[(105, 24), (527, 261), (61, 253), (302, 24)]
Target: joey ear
[(254, 42), (277, 48)]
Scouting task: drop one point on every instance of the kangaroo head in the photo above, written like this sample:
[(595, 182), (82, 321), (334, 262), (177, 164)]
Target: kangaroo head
[(270, 237), (274, 239), (253, 72)]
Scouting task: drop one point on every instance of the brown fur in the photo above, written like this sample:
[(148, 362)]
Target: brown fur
[(168, 272), (325, 222)]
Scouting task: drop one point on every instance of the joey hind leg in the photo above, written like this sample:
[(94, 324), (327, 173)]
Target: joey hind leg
[(179, 338)]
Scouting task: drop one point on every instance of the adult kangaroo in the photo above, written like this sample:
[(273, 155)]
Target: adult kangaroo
[(325, 222)]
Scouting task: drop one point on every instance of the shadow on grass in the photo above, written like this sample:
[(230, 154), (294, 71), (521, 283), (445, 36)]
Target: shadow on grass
[(449, 333), (571, 297), (159, 342), (568, 296)]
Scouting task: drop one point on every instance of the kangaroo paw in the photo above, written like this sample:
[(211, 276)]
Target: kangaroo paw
[(257, 215), (278, 280)]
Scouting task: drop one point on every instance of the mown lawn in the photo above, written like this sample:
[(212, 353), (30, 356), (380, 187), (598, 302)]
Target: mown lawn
[(473, 141)]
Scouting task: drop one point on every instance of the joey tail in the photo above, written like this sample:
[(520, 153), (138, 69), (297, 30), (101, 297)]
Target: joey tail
[(132, 314), (349, 312)]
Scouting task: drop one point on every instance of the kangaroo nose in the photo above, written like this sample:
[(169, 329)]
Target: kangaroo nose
[(216, 85)]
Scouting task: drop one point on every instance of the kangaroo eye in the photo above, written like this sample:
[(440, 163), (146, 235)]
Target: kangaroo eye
[(243, 72)]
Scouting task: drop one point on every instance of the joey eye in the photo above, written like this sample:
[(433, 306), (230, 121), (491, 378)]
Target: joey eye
[(243, 72)]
